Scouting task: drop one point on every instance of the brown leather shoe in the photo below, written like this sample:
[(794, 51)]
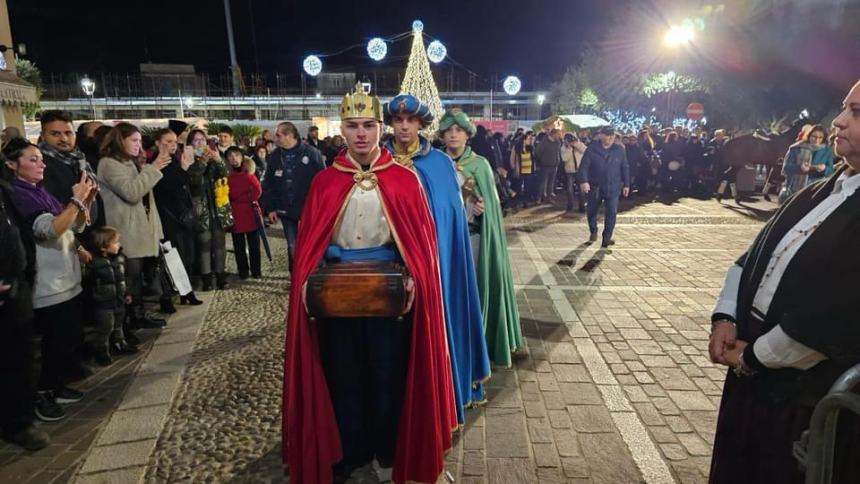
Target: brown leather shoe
[(592, 238)]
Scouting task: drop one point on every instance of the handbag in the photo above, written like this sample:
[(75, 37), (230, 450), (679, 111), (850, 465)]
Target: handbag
[(223, 210), (191, 221), (172, 264)]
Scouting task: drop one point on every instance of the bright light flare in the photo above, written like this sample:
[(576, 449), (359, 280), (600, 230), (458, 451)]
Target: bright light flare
[(678, 35)]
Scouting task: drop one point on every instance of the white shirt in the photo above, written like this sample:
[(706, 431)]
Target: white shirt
[(363, 223), (775, 349)]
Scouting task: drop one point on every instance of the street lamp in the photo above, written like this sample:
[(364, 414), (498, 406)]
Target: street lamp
[(89, 87), (678, 35)]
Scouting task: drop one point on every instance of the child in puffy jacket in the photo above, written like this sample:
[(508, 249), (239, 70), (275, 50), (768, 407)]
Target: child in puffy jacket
[(104, 278)]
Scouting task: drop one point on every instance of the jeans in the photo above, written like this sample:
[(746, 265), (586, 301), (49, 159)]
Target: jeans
[(108, 323), (547, 176), (595, 198), (291, 230), (253, 251), (212, 251), (365, 362), (62, 335), (572, 194)]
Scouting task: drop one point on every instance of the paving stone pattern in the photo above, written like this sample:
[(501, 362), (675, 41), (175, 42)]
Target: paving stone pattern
[(617, 387), (640, 406), (72, 437)]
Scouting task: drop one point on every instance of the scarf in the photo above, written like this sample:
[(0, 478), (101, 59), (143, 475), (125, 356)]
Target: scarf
[(74, 158), (30, 198)]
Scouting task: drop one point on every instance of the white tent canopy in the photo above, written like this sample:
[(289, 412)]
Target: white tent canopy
[(585, 120)]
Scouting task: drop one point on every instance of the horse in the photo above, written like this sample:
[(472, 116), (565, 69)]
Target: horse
[(754, 149)]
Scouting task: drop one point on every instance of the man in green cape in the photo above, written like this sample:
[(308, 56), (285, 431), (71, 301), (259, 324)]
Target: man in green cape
[(489, 247)]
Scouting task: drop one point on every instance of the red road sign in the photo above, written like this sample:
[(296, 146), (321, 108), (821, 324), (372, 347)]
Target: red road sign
[(695, 111)]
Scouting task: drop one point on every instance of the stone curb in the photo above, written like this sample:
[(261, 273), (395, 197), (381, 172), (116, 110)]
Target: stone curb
[(123, 447)]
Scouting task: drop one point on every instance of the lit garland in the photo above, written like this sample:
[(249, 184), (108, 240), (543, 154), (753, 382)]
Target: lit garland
[(419, 80), (660, 83), (588, 97)]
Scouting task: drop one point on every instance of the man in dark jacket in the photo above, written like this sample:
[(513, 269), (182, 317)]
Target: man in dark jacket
[(64, 161), (604, 176), (289, 171), (548, 154)]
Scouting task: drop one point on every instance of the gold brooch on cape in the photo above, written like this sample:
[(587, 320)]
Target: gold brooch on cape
[(365, 180)]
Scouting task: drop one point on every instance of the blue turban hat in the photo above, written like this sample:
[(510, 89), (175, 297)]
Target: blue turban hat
[(407, 104)]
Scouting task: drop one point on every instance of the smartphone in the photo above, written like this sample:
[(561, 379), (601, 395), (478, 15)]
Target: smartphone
[(189, 152)]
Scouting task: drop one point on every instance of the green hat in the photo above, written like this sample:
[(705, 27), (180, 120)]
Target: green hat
[(458, 117)]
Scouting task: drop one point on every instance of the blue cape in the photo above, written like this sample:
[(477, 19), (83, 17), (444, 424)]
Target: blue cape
[(470, 362)]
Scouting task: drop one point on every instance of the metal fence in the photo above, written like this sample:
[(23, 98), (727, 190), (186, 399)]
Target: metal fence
[(62, 86)]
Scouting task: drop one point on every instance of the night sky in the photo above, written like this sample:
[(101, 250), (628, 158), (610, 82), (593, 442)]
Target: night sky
[(772, 40), (518, 37)]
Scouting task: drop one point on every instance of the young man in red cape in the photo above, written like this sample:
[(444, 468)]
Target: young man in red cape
[(359, 389)]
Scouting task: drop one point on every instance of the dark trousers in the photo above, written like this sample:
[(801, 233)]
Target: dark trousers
[(253, 252), (526, 187), (574, 193), (62, 335), (212, 251), (16, 369), (595, 198), (291, 231), (108, 327), (547, 176), (365, 362)]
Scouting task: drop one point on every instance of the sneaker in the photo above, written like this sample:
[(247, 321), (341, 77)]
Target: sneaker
[(68, 395), (29, 438), (607, 243), (47, 409), (592, 238)]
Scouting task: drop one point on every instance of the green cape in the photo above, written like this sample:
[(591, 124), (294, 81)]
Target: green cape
[(495, 280)]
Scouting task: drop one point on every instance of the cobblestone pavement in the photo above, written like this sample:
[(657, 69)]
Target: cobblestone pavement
[(617, 387)]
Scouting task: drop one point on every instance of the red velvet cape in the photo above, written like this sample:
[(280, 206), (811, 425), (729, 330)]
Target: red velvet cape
[(311, 439)]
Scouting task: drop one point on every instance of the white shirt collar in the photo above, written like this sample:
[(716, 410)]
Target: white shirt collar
[(847, 184)]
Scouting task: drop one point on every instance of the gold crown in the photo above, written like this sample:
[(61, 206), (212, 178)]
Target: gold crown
[(360, 104)]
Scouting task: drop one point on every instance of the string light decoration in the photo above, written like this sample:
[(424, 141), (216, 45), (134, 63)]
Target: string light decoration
[(377, 49), (512, 85), (418, 80), (312, 65), (436, 51)]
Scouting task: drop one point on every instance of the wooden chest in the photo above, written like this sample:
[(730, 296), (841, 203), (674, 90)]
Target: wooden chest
[(357, 289)]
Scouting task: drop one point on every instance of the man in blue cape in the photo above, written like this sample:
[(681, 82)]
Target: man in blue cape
[(464, 322)]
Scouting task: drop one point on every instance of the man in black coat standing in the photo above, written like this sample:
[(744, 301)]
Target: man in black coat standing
[(604, 176), (289, 171)]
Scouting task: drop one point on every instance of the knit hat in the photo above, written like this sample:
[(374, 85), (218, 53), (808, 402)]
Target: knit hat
[(458, 117)]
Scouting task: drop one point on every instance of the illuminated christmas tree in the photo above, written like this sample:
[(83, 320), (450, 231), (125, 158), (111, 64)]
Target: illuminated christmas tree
[(419, 80)]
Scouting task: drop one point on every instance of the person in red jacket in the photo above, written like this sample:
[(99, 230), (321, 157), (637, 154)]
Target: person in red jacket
[(245, 191)]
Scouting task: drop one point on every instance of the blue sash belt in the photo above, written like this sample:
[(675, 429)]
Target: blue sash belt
[(382, 253)]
